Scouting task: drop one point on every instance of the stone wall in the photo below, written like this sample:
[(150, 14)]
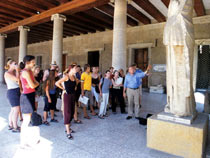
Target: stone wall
[(77, 47)]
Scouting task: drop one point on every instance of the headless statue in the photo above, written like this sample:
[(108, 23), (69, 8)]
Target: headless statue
[(179, 41)]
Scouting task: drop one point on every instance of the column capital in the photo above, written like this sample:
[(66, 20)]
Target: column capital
[(129, 1), (23, 28), (3, 35), (58, 16)]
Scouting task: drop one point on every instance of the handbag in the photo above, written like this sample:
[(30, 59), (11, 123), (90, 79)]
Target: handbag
[(36, 119)]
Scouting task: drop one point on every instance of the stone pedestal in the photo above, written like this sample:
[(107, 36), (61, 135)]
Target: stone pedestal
[(179, 139), (23, 42)]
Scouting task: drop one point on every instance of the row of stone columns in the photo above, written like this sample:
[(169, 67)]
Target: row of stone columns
[(119, 39)]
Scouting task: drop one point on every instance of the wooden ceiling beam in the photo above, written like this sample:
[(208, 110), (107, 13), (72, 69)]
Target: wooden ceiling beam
[(93, 20), (11, 12), (74, 28), (166, 2), (99, 15), (62, 1), (151, 9), (138, 15), (16, 7), (84, 23), (199, 8), (46, 3), (73, 25), (30, 4), (69, 7), (110, 10), (9, 17)]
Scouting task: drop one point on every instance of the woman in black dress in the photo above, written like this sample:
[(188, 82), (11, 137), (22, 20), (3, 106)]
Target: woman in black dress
[(69, 97)]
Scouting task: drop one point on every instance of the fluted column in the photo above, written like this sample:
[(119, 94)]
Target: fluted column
[(119, 35), (2, 56), (23, 42), (57, 46)]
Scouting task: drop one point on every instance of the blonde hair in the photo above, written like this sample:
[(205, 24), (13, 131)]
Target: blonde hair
[(9, 62), (35, 67), (66, 71)]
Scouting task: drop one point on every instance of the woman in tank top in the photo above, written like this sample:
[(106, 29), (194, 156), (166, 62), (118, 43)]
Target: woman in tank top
[(69, 97), (13, 93), (95, 83), (27, 98)]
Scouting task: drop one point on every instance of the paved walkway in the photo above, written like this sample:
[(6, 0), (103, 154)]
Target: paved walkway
[(113, 137)]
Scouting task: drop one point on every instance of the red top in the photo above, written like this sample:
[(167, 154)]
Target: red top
[(25, 85)]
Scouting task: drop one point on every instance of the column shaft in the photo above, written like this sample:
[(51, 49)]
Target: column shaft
[(119, 35), (2, 57), (57, 46), (23, 41)]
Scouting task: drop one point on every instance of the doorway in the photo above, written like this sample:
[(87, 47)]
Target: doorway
[(142, 61), (203, 70), (93, 58), (64, 56)]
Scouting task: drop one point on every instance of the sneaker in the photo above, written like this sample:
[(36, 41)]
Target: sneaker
[(129, 117), (101, 117)]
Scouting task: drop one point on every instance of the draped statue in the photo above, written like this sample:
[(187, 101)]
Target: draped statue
[(179, 40)]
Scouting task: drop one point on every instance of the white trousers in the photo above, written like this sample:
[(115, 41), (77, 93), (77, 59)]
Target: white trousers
[(104, 103)]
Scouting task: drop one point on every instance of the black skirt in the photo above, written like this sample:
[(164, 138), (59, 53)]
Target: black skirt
[(27, 103), (13, 95)]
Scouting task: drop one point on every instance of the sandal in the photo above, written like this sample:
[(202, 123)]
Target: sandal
[(87, 117), (10, 127), (54, 120), (69, 136), (16, 130), (46, 123), (78, 121)]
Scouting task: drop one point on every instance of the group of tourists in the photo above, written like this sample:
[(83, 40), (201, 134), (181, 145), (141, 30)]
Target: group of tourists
[(26, 84)]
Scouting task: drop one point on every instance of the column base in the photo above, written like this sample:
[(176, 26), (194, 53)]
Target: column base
[(179, 139)]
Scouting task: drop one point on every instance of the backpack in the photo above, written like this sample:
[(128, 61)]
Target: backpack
[(36, 119), (102, 83)]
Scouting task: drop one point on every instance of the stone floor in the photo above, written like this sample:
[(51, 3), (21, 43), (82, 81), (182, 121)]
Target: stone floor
[(113, 137)]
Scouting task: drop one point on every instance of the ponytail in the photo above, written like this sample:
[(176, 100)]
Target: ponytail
[(9, 62), (22, 65)]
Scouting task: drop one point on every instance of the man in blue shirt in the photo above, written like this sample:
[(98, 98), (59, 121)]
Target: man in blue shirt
[(131, 87)]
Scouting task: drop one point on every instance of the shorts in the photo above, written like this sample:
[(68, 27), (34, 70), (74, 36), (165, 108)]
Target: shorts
[(13, 95), (50, 106), (27, 103), (90, 96), (37, 98), (95, 94)]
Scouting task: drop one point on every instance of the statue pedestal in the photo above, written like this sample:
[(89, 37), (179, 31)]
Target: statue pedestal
[(179, 139), (170, 117)]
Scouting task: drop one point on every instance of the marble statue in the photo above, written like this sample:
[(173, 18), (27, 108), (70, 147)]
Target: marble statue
[(179, 41)]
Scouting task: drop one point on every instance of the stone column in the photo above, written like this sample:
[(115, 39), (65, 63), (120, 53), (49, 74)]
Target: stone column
[(2, 56), (23, 41), (57, 46), (119, 35)]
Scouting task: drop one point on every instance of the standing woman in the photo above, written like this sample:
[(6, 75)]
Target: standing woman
[(27, 98), (69, 97), (117, 82), (50, 97), (95, 84), (13, 93)]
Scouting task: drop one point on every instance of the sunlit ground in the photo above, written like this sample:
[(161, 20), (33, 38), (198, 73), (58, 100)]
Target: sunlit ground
[(112, 137), (43, 149)]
